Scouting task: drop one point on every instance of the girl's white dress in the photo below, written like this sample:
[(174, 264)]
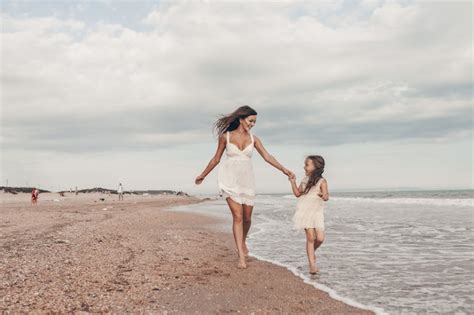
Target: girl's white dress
[(309, 211), (235, 177)]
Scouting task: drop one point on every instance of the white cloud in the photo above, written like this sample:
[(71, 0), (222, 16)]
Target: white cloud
[(376, 64)]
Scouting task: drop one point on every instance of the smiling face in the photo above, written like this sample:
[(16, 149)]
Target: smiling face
[(309, 166), (248, 122)]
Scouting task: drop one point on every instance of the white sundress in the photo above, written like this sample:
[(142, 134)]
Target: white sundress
[(235, 177), (309, 211)]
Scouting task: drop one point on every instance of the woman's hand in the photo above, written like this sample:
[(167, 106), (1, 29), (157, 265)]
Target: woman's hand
[(199, 179)]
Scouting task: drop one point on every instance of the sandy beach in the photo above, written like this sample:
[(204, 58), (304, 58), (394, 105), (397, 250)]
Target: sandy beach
[(80, 254)]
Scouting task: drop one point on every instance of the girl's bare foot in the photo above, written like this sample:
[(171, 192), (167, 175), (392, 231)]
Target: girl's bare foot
[(313, 269)]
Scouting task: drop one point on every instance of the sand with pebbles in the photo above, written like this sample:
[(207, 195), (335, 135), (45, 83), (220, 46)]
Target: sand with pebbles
[(80, 254)]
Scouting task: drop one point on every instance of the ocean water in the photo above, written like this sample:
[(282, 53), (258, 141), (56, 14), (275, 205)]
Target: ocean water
[(391, 252)]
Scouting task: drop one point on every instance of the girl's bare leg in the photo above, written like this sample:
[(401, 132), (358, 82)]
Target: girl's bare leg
[(247, 221), (310, 239), (237, 228), (319, 239)]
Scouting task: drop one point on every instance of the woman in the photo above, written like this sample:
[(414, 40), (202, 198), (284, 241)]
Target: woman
[(235, 177)]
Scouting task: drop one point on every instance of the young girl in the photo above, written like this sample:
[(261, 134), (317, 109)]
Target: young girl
[(309, 214)]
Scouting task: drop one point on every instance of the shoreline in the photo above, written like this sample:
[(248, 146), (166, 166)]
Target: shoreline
[(81, 254), (332, 293)]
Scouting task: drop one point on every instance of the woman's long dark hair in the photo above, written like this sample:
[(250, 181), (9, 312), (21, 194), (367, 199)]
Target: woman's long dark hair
[(319, 163), (231, 121)]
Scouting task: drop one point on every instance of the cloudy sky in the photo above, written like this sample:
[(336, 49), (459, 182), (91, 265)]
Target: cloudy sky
[(97, 92)]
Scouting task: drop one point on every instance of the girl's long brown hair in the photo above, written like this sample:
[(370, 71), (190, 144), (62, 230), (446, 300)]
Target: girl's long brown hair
[(319, 163), (231, 121)]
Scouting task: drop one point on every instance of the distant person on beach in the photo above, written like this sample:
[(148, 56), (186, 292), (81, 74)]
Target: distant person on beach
[(120, 191), (309, 214), (236, 178), (76, 191), (34, 196)]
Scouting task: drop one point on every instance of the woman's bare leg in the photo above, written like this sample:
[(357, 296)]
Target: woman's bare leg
[(247, 221), (237, 228)]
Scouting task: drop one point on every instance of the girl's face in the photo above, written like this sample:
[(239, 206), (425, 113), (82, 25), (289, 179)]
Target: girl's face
[(248, 122), (308, 166)]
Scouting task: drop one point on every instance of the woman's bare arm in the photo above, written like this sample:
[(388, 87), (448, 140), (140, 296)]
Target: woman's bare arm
[(270, 158), (214, 161)]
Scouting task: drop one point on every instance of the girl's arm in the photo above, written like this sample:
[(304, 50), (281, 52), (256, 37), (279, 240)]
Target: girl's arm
[(270, 158), (324, 194), (297, 191), (214, 161)]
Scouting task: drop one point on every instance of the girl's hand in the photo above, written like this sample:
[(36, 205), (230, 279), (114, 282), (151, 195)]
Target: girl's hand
[(199, 179), (323, 196), (324, 193)]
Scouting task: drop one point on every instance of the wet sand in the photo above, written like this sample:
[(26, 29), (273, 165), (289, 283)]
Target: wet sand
[(80, 254)]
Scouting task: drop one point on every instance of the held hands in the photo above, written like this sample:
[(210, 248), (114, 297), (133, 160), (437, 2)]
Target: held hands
[(292, 178), (290, 174), (287, 172)]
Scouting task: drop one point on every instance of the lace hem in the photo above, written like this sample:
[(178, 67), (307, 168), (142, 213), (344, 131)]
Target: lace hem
[(241, 198)]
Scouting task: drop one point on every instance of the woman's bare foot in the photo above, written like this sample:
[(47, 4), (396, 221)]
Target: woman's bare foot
[(242, 264), (313, 269), (246, 251)]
